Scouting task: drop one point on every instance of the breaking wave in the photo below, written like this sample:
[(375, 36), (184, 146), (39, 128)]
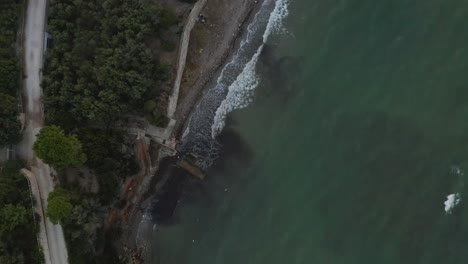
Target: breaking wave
[(241, 90), (452, 200)]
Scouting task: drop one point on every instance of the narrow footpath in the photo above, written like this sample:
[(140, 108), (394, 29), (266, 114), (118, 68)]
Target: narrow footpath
[(51, 236), (183, 49)]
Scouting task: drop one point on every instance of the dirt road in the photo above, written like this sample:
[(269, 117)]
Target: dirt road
[(34, 119)]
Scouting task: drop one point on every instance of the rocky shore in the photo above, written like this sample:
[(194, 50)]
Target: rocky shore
[(213, 39)]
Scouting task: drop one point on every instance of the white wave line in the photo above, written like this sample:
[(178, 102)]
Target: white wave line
[(241, 90), (238, 95)]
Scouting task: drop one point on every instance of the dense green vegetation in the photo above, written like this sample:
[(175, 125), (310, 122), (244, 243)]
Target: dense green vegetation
[(58, 150), (78, 216), (100, 69), (100, 66), (111, 162), (10, 126), (58, 206), (108, 159), (18, 228)]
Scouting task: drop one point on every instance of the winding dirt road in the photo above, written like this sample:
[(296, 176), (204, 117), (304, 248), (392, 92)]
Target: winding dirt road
[(51, 236)]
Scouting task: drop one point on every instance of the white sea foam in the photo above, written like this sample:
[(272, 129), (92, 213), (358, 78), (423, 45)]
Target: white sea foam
[(457, 170), (452, 200), (241, 90), (239, 94), (275, 22), (250, 35)]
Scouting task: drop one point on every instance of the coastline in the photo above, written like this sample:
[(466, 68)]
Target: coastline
[(200, 70), (210, 48)]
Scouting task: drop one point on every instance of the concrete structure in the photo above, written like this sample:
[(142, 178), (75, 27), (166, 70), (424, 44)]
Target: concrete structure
[(192, 169), (158, 135)]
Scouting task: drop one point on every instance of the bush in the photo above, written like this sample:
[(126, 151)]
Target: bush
[(10, 130), (150, 105), (169, 45), (168, 18)]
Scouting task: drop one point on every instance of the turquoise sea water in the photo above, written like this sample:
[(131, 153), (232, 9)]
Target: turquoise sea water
[(357, 133)]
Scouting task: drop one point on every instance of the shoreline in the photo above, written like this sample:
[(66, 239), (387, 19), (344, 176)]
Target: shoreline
[(183, 112), (207, 75)]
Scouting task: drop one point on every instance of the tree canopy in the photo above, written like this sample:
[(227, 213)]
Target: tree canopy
[(18, 242), (10, 130), (8, 104), (12, 217), (59, 207), (10, 126), (100, 65), (57, 149)]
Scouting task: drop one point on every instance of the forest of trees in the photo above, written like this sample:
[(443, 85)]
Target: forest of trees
[(100, 66), (18, 243), (10, 126), (99, 70)]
